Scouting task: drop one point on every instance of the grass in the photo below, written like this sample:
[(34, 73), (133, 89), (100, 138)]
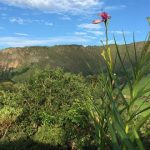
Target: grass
[(144, 101)]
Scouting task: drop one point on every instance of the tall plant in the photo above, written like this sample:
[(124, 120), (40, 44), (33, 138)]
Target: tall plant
[(116, 117)]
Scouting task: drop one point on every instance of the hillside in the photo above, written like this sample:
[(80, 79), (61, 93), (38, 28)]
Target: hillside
[(72, 58)]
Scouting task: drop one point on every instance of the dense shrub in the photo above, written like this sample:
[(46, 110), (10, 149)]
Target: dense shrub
[(54, 136), (51, 101)]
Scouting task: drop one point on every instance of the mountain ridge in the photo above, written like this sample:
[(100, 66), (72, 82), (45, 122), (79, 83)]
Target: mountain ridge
[(73, 58)]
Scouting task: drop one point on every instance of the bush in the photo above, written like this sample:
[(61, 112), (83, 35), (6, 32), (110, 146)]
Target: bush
[(8, 116), (54, 136)]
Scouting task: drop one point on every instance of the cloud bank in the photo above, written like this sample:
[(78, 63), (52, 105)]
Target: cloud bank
[(72, 6), (18, 41)]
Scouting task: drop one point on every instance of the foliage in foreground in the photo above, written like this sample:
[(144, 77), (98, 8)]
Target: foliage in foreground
[(50, 110), (47, 109), (118, 119)]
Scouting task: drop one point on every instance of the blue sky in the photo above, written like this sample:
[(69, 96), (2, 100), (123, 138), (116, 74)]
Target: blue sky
[(57, 22)]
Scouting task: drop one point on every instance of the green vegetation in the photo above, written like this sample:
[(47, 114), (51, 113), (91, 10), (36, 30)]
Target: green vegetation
[(47, 109), (106, 106), (51, 110)]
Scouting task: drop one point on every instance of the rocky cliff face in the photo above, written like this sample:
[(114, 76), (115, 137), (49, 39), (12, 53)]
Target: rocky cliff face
[(13, 64), (8, 59), (14, 57)]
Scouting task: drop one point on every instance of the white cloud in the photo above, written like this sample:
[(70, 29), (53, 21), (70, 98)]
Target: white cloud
[(91, 37), (21, 34), (19, 20), (110, 42), (3, 14), (22, 21), (73, 6), (18, 41), (89, 26), (89, 29), (96, 32), (119, 7), (48, 23), (80, 33), (65, 18), (120, 32)]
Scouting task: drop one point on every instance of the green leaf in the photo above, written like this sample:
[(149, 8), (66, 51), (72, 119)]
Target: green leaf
[(114, 137), (138, 140), (141, 122), (125, 71), (120, 128)]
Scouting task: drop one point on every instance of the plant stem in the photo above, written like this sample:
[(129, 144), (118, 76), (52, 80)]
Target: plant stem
[(106, 32)]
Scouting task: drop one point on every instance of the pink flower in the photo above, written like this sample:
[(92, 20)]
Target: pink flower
[(105, 16), (97, 21)]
